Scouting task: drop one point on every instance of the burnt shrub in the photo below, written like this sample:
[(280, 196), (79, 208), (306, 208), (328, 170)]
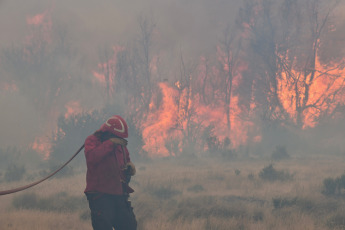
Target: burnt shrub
[(269, 173)]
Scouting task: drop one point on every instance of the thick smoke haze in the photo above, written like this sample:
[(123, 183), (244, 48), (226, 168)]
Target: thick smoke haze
[(194, 25), (191, 26), (83, 29), (235, 111)]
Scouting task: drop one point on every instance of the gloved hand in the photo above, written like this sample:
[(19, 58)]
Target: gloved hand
[(130, 169), (119, 141)]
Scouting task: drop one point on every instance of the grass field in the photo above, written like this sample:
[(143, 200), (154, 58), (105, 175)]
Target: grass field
[(194, 194)]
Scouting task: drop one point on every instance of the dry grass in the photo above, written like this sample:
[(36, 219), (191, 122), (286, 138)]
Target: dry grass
[(200, 194)]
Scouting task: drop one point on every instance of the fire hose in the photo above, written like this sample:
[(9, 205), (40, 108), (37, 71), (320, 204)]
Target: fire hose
[(5, 192)]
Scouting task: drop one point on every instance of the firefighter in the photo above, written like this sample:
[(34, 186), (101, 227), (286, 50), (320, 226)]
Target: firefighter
[(109, 170)]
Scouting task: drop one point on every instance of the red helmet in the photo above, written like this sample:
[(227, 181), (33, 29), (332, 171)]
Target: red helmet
[(116, 125)]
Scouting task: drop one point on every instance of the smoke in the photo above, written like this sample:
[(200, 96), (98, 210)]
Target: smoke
[(18, 120), (80, 31), (193, 25), (85, 27)]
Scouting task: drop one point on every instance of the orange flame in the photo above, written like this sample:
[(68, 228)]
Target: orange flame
[(40, 34), (73, 108), (9, 87), (42, 145), (326, 91), (107, 71), (168, 122), (161, 123)]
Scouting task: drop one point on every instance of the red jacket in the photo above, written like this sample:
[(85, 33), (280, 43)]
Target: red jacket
[(103, 169)]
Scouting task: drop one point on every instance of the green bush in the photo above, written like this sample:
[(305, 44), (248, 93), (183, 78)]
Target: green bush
[(269, 173)]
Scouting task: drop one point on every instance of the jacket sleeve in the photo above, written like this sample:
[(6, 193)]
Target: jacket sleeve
[(128, 159), (95, 150)]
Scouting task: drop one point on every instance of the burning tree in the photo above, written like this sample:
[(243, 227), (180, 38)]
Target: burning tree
[(268, 67), (297, 88), (229, 58)]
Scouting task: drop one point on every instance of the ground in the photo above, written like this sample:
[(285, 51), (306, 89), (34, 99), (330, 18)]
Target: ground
[(193, 193)]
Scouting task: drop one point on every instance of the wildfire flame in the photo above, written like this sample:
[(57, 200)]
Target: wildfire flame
[(326, 91), (107, 71), (183, 112)]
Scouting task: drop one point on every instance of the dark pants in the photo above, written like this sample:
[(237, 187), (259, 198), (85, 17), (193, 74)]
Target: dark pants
[(111, 211)]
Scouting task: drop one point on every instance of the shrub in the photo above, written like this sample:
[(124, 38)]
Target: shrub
[(251, 176), (269, 173), (67, 171), (280, 153), (336, 221), (196, 188), (210, 206), (59, 202), (341, 182), (142, 168), (333, 186), (329, 186), (14, 173), (162, 192), (85, 215), (283, 202), (215, 176), (301, 203), (9, 155), (172, 145)]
